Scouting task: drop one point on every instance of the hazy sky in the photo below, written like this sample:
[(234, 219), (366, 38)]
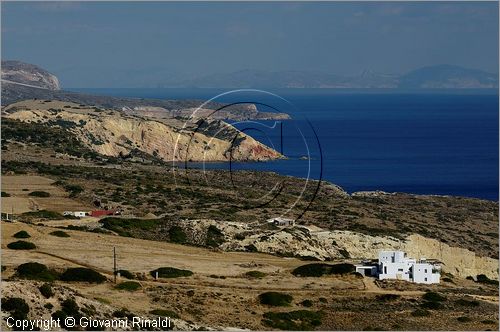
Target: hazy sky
[(124, 44)]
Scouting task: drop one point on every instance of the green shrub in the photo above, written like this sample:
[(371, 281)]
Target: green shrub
[(387, 297), (177, 235), (126, 274), (21, 235), (123, 226), (214, 237), (59, 234), (69, 308), (307, 303), (464, 319), (164, 313), (433, 297), (171, 272), (467, 303), (421, 313), (482, 278), (488, 321), (43, 214), (299, 320), (130, 286), (318, 270), (82, 274), (251, 248), (4, 194), (18, 308), (275, 299), (46, 290), (431, 305), (36, 271), (39, 194), (255, 274), (21, 245)]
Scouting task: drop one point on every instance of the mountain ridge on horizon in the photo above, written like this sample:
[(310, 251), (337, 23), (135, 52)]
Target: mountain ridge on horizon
[(435, 76), (428, 77)]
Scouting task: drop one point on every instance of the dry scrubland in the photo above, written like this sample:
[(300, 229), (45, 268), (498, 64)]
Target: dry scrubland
[(220, 294), (212, 227)]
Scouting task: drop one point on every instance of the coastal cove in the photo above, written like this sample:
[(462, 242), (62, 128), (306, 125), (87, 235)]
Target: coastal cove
[(442, 142)]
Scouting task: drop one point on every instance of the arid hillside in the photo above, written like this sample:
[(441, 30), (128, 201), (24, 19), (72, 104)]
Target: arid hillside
[(115, 134)]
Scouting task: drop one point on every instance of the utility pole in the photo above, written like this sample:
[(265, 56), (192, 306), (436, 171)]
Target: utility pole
[(114, 263)]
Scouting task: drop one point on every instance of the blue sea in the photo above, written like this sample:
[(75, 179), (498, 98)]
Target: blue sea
[(441, 142)]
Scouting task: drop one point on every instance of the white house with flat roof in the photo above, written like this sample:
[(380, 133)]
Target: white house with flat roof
[(393, 264)]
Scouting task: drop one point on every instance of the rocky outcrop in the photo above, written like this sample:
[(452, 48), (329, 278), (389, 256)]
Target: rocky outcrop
[(313, 242), (22, 81), (27, 74), (111, 133)]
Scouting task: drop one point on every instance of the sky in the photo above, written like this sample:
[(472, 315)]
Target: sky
[(131, 44)]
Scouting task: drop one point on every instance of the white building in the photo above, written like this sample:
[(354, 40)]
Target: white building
[(396, 265), (79, 214), (281, 222)]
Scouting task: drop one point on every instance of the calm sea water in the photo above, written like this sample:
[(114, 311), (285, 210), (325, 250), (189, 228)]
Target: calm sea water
[(440, 142)]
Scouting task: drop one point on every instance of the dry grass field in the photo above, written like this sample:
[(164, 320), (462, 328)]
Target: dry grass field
[(19, 187)]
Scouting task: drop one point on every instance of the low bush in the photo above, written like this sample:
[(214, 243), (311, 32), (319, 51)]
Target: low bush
[(82, 274), (483, 279), (214, 237), (4, 194), (125, 274), (69, 308), (122, 313), (387, 297), (171, 272), (59, 234), (433, 297), (17, 307), (164, 313), (275, 299), (306, 303), (467, 303), (464, 319), (177, 235), (46, 290), (39, 194), (421, 313), (431, 305), (36, 271), (21, 245), (299, 320), (130, 286), (21, 235), (255, 274), (251, 248), (318, 270), (43, 214)]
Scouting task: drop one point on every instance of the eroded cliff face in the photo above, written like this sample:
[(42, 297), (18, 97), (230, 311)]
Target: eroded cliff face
[(113, 133), (314, 242), (28, 74)]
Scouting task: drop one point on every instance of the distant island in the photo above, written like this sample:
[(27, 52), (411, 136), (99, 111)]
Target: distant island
[(22, 81), (431, 77)]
